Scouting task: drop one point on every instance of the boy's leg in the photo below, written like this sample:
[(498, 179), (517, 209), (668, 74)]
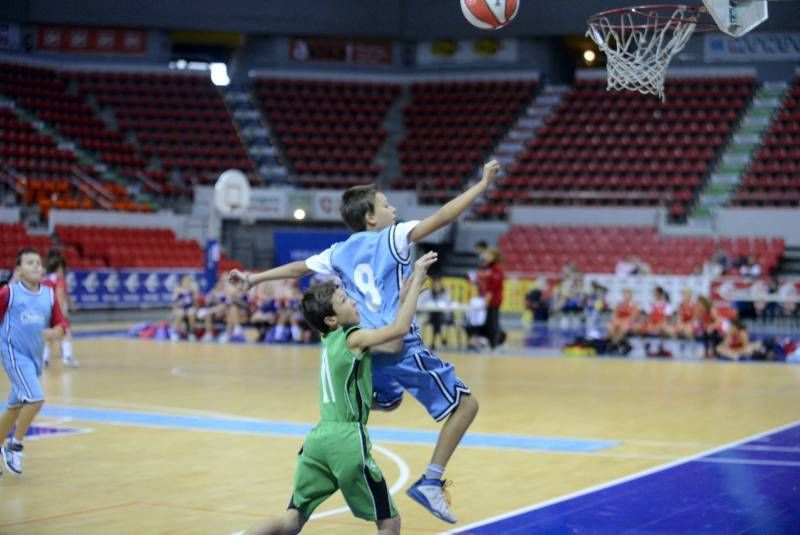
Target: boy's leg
[(313, 483), (362, 483), (453, 430), (389, 526), (291, 523), (434, 383), (66, 350), (26, 415), (25, 400), (7, 421)]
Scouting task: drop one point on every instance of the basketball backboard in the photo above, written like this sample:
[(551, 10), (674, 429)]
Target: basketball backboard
[(737, 17)]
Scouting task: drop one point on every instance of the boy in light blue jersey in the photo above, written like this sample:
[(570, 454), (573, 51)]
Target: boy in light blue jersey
[(371, 264), (29, 315)]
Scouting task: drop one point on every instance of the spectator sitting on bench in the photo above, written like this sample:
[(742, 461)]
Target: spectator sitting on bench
[(736, 345), (657, 322)]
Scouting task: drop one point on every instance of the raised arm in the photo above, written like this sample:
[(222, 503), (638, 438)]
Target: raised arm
[(246, 280), (450, 211), (319, 263), (364, 338)]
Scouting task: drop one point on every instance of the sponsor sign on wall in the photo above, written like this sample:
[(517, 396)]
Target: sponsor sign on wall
[(91, 40), (127, 288), (488, 50), (752, 47), (331, 49)]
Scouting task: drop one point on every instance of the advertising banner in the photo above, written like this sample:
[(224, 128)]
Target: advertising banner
[(91, 40), (127, 288), (752, 47)]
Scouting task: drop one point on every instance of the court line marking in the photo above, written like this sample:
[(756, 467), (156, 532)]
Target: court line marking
[(777, 449), (290, 428), (69, 514), (618, 481), (402, 466), (733, 460)]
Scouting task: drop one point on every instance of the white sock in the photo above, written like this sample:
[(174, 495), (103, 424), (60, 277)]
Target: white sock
[(66, 349), (15, 442), (434, 471), (46, 353), (297, 335)]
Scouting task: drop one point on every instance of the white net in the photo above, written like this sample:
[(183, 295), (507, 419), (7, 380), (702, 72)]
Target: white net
[(639, 44)]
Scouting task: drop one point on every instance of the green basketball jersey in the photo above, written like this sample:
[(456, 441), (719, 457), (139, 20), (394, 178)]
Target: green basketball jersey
[(345, 380)]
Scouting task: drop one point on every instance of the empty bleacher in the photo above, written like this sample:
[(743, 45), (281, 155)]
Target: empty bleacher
[(451, 128), (626, 149), (330, 131), (180, 121), (537, 249)]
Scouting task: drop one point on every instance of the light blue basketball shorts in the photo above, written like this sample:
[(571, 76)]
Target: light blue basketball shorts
[(432, 381), (23, 371)]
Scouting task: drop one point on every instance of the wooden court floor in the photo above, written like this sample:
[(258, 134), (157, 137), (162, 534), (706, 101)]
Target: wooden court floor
[(189, 438)]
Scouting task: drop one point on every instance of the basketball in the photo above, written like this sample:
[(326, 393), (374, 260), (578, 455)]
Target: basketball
[(489, 14)]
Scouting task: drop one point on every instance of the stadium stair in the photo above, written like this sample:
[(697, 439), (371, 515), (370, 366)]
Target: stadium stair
[(739, 154), (388, 156), (254, 133), (773, 176), (523, 131)]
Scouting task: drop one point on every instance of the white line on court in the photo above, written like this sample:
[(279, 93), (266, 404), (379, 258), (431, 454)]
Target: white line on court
[(620, 480), (394, 489)]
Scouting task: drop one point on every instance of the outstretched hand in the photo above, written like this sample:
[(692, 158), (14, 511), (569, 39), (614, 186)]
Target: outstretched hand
[(239, 279), (490, 170)]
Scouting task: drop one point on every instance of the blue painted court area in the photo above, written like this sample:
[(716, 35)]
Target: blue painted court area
[(748, 487), (294, 429)]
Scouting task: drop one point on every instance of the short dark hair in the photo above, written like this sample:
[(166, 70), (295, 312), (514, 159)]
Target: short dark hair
[(481, 244), (54, 261), (357, 202), (23, 252), (317, 304)]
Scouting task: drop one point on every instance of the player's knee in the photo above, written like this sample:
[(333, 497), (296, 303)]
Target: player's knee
[(389, 526), (292, 522), (469, 405)]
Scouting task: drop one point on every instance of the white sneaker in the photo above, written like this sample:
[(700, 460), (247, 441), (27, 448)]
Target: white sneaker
[(192, 338), (174, 337), (431, 494), (208, 337), (224, 338), (70, 362), (12, 457)]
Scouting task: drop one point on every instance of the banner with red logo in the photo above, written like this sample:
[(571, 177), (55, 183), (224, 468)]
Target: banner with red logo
[(740, 289), (90, 40), (331, 49)]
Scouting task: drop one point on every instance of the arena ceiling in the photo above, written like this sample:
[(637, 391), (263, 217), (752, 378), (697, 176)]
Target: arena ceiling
[(396, 19)]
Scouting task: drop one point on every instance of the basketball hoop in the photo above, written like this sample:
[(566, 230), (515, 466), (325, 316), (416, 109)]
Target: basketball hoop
[(640, 41), (232, 193)]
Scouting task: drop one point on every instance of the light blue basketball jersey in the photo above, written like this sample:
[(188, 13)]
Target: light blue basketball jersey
[(372, 270), (27, 315)]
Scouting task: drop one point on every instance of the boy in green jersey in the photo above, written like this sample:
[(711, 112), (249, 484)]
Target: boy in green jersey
[(336, 453)]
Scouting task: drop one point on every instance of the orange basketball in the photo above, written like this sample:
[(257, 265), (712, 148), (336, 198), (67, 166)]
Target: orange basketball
[(489, 14)]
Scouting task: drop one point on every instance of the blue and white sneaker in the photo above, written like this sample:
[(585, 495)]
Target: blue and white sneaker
[(432, 495), (12, 456)]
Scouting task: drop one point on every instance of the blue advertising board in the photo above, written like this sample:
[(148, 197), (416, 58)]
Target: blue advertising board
[(127, 288)]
